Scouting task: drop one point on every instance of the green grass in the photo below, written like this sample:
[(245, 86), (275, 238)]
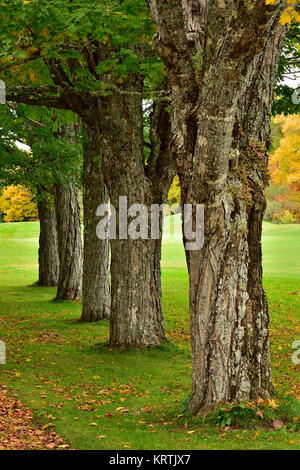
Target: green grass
[(281, 245), (60, 368)]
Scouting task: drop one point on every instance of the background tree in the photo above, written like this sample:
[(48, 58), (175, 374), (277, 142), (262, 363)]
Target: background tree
[(285, 160), (289, 65), (17, 204), (96, 300), (283, 194), (20, 167), (48, 242)]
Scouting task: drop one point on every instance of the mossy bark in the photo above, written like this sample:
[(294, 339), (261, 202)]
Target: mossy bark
[(226, 171)]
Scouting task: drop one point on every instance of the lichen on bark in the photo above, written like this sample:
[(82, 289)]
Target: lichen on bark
[(225, 170)]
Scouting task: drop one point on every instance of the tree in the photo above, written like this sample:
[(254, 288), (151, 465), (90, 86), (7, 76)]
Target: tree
[(68, 63), (66, 200), (289, 63), (18, 167), (285, 160), (136, 312), (48, 244), (17, 204), (96, 283), (217, 55), (69, 242), (52, 162)]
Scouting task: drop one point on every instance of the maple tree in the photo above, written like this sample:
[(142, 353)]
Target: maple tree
[(96, 60), (285, 160)]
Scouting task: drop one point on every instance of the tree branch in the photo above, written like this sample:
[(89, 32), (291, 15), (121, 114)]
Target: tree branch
[(172, 45), (160, 168), (36, 96)]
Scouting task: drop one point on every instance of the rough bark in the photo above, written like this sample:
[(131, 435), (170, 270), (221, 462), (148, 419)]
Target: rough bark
[(96, 283), (118, 120), (229, 325), (136, 319), (251, 138), (136, 312), (48, 245), (69, 242)]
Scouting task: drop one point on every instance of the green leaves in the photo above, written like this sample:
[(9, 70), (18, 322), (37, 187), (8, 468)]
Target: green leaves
[(89, 38), (51, 159), (289, 66)]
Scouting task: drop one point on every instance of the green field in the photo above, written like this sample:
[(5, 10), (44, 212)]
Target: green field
[(133, 399)]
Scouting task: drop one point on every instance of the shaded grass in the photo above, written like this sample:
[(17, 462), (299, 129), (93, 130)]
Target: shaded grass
[(72, 382)]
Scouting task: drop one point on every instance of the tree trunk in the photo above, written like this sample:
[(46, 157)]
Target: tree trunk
[(254, 112), (229, 313), (136, 312), (48, 246), (122, 156), (136, 296), (229, 321), (96, 283), (69, 242)]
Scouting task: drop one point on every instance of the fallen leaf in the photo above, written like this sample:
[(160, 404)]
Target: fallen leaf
[(260, 413)]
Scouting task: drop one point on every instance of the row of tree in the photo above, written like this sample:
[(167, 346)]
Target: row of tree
[(207, 70)]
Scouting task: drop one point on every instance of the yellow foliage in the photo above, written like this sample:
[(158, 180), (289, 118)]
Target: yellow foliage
[(289, 13), (285, 161), (16, 202)]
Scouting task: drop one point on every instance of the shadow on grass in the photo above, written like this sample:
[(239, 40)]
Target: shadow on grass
[(168, 348)]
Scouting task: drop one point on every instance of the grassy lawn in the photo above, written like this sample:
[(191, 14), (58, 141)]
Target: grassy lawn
[(100, 399)]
